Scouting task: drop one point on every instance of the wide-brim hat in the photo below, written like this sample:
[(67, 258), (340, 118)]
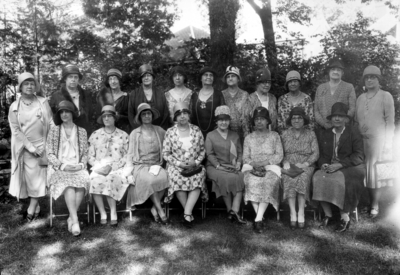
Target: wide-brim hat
[(113, 72), (372, 70), (143, 107), (107, 109), (178, 70), (339, 109), (232, 70), (263, 75), (261, 112), (297, 111), (222, 113), (70, 69), (180, 107), (26, 76), (64, 105)]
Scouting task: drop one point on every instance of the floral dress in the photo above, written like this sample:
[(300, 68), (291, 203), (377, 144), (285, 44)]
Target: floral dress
[(284, 108), (171, 101), (108, 149), (259, 148), (239, 107), (174, 154), (254, 102), (299, 150)]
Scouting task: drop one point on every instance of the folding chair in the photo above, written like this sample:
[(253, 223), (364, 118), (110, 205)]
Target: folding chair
[(203, 208)]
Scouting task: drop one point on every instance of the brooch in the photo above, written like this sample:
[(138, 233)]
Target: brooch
[(202, 104)]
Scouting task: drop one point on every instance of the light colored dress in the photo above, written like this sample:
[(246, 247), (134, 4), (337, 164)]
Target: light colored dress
[(175, 154), (62, 151), (239, 107), (224, 152), (145, 154), (254, 102), (29, 126), (260, 148), (284, 108), (299, 150), (172, 99), (375, 118), (108, 149)]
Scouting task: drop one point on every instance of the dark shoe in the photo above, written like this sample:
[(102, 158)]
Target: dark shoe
[(258, 227), (165, 221), (114, 223), (325, 222), (236, 217), (301, 225), (230, 216), (186, 223), (28, 217), (293, 225), (155, 215), (36, 215), (343, 226)]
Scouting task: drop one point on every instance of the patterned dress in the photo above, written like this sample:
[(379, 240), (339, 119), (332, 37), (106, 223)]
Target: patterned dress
[(174, 154), (240, 112), (258, 148), (59, 179), (254, 102), (284, 108), (108, 149), (171, 101), (299, 150)]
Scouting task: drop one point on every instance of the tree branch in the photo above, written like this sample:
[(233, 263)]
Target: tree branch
[(253, 4)]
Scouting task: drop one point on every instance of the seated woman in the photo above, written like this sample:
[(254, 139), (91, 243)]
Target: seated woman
[(224, 160), (107, 150), (261, 155), (144, 161), (67, 157), (300, 146), (340, 180), (184, 151)]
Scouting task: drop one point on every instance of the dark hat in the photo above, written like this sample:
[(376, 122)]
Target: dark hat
[(64, 105), (262, 75), (143, 107), (297, 111), (70, 69), (146, 69), (179, 70), (113, 72), (107, 109), (260, 112), (339, 109), (180, 107), (336, 63), (207, 70)]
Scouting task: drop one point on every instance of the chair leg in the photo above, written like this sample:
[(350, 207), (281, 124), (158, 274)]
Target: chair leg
[(356, 212), (51, 210), (130, 214), (88, 211), (167, 209), (203, 210), (278, 213), (94, 213)]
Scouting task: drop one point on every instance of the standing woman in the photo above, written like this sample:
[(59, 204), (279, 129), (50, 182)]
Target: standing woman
[(262, 96), (238, 102), (375, 117), (67, 151), (224, 160), (300, 147), (143, 168), (146, 93), (335, 90), (112, 94), (205, 101), (180, 93), (184, 150), (263, 153), (107, 150), (74, 93), (30, 120), (294, 98)]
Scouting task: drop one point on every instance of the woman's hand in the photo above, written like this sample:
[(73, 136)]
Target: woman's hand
[(386, 153), (39, 152), (238, 166), (286, 165), (104, 170), (333, 167)]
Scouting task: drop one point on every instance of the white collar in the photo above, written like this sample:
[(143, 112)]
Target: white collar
[(334, 130)]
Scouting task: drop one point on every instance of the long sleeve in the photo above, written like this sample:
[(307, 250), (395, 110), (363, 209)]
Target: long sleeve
[(357, 154), (246, 122), (210, 152), (278, 156), (281, 115), (317, 112), (352, 101), (239, 150), (167, 149), (124, 150), (202, 151), (50, 148), (388, 116), (309, 109), (131, 110), (17, 133), (92, 152), (247, 151), (314, 148), (83, 137)]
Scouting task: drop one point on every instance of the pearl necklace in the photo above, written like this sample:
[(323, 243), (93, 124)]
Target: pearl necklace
[(27, 104)]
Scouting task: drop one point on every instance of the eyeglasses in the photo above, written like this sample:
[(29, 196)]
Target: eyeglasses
[(370, 77)]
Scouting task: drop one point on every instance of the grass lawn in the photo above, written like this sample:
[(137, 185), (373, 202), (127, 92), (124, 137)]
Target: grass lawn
[(213, 246)]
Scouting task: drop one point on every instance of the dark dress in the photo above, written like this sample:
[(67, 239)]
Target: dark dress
[(342, 188), (158, 102), (203, 113)]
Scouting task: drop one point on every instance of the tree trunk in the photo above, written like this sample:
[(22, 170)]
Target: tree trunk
[(265, 13), (223, 15)]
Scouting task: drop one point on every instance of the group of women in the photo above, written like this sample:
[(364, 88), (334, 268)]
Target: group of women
[(249, 146)]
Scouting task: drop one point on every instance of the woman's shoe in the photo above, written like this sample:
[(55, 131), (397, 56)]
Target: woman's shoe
[(293, 225), (103, 221), (165, 221), (113, 223), (343, 226), (36, 215), (325, 222), (186, 223), (76, 230), (374, 213), (155, 215), (258, 227), (236, 217), (29, 217), (301, 225), (69, 222)]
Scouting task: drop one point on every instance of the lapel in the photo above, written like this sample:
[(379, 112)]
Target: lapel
[(344, 138)]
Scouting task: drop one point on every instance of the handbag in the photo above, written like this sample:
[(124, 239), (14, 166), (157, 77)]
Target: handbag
[(293, 171), (187, 173), (386, 170), (259, 171)]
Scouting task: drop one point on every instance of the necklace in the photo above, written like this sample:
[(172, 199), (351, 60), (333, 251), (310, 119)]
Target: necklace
[(27, 104), (183, 130), (369, 98), (115, 128), (202, 106)]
